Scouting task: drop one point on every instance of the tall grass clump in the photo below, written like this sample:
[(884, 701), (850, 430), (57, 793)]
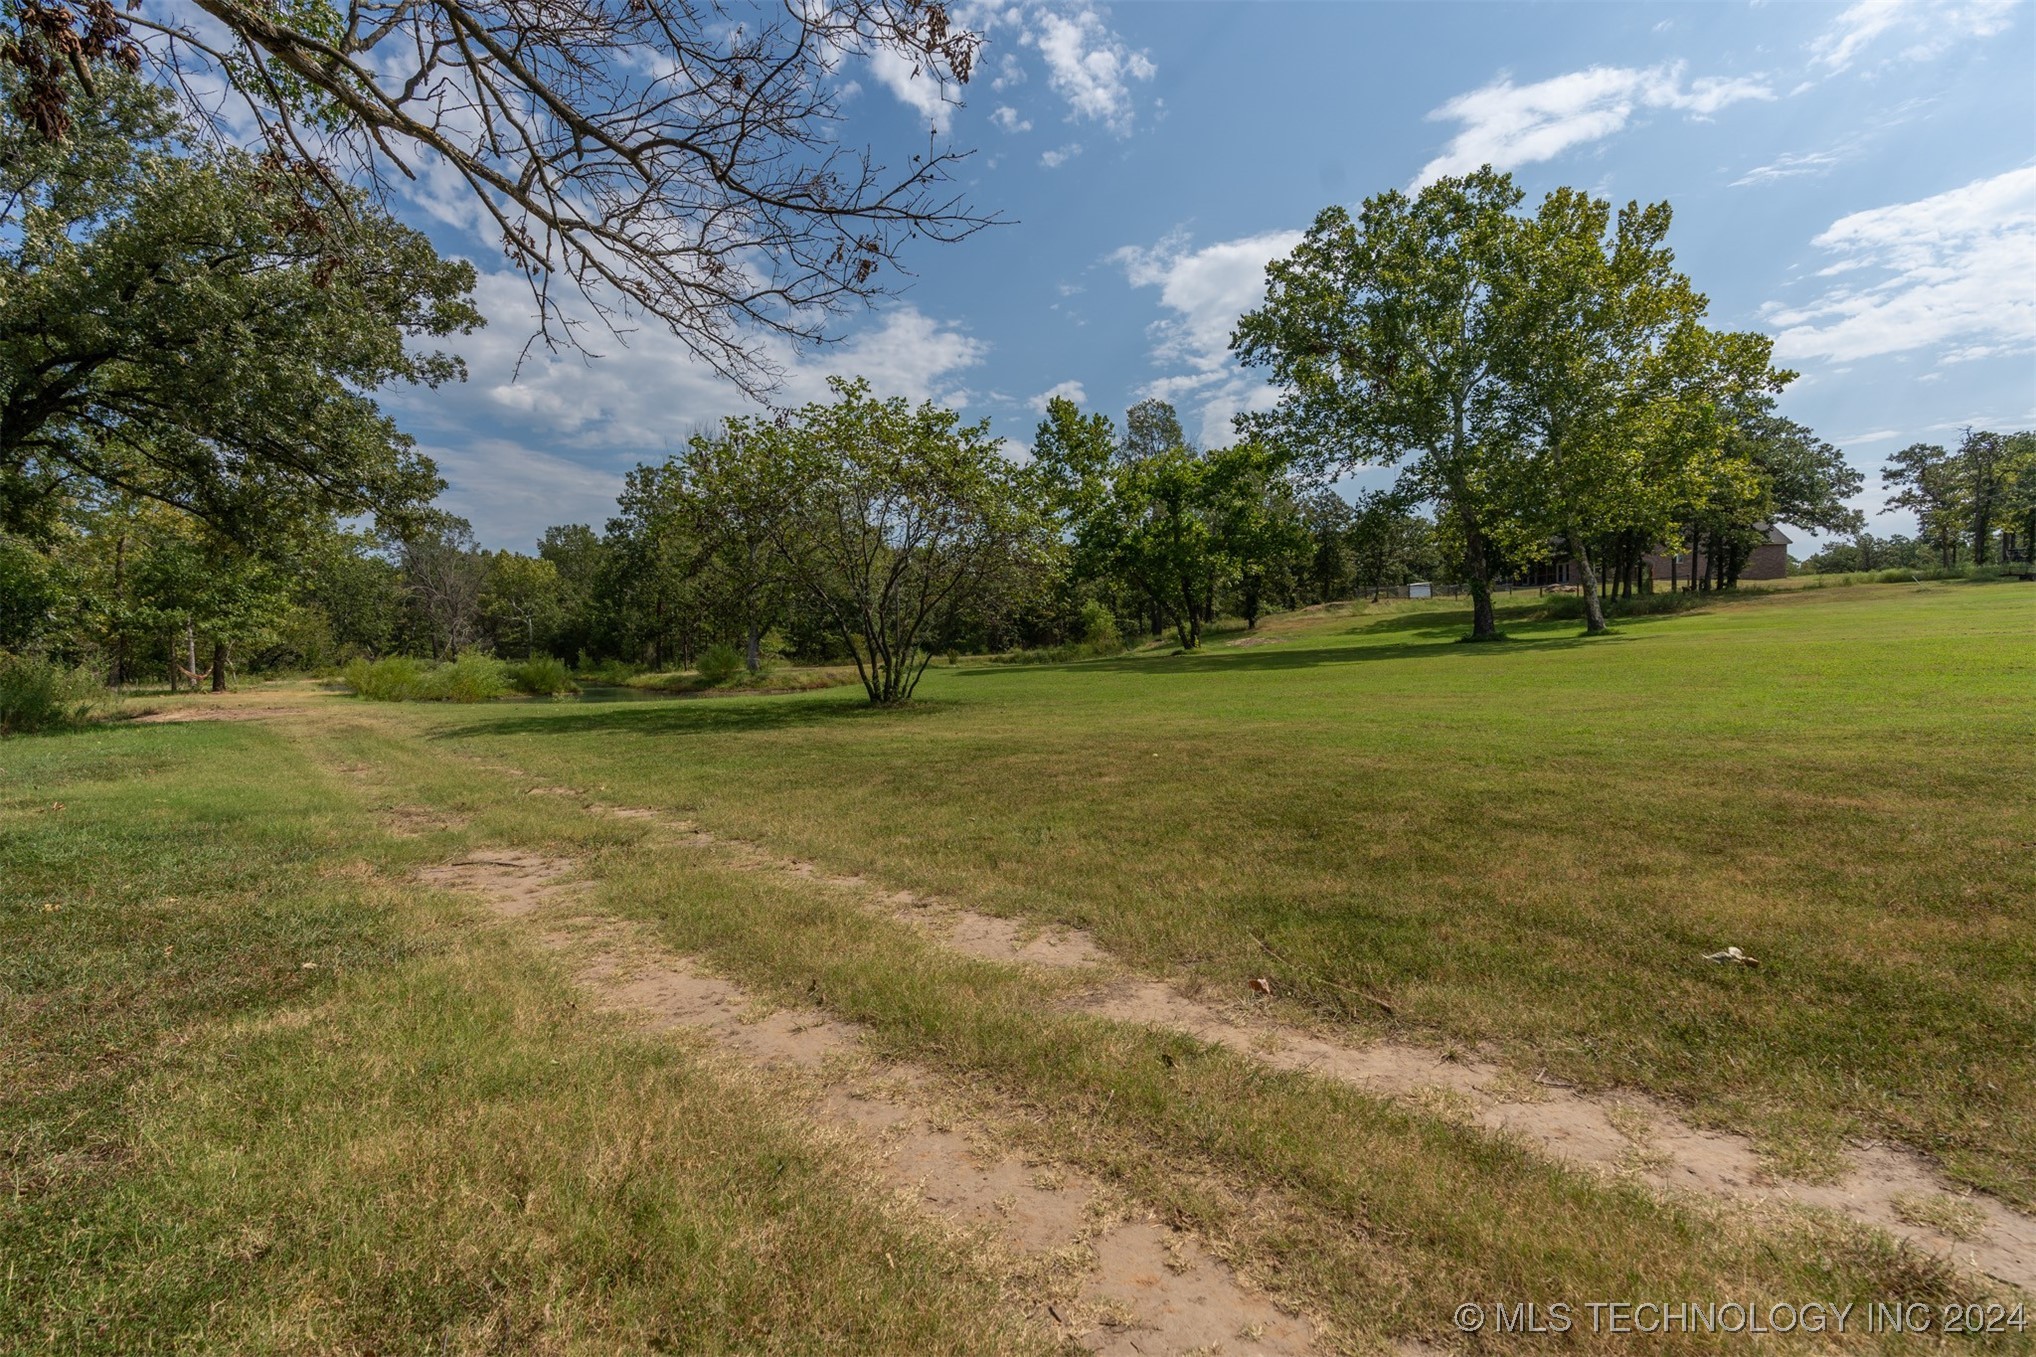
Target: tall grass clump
[(720, 663), (38, 694), (470, 678), (543, 676), (395, 679)]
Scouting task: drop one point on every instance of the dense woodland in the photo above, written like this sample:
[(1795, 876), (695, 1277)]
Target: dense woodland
[(195, 480)]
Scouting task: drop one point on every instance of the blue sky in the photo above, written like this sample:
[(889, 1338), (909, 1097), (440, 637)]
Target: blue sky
[(1858, 180)]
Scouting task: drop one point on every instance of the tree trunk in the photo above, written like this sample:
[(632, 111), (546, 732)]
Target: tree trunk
[(191, 653), (219, 666), (1594, 608), (1477, 571), (117, 670)]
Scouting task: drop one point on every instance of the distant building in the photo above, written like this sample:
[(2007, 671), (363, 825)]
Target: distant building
[(1768, 561)]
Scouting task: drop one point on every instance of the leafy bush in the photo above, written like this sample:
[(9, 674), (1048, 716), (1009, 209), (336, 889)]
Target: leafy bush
[(1098, 636), (470, 678), (37, 694), (1099, 629), (542, 676), (720, 663)]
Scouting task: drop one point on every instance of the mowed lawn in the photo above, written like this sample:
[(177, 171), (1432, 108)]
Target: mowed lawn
[(1526, 846), (261, 1091)]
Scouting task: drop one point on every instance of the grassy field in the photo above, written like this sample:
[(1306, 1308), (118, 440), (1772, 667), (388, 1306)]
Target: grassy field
[(1529, 844), (262, 1093)]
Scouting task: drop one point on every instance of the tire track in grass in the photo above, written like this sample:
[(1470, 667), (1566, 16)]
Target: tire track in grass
[(1887, 1187), (1113, 1281)]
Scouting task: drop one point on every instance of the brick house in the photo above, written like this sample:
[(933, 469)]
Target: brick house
[(1768, 561)]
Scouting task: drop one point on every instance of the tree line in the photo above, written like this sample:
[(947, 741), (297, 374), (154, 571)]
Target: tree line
[(194, 475)]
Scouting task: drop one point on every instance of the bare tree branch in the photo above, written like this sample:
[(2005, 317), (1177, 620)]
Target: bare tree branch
[(672, 160)]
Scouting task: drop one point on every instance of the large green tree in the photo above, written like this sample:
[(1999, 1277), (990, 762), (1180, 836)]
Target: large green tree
[(1155, 531), (1256, 516), (203, 327), (1384, 337), (736, 505), (1616, 394), (1925, 480)]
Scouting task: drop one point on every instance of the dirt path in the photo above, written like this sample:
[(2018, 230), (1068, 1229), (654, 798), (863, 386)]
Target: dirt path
[(1886, 1186), (1089, 1268)]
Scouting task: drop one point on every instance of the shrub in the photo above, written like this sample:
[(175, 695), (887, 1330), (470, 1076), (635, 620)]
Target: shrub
[(1099, 629), (38, 694), (542, 676), (720, 663), (1098, 635), (470, 678), (395, 679)]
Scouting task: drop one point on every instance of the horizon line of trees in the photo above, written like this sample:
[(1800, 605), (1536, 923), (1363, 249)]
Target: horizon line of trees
[(781, 538), (190, 337)]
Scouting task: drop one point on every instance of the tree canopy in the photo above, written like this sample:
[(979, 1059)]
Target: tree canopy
[(203, 327), (669, 159)]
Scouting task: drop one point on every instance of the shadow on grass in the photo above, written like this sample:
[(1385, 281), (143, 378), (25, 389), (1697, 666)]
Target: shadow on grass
[(687, 716), (1293, 655), (1451, 623)]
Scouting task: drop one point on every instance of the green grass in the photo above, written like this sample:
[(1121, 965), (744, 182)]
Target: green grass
[(427, 1141), (1529, 844), (258, 1095)]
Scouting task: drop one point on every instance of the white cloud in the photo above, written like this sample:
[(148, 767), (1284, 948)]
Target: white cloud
[(636, 401), (916, 88), (1508, 125), (1088, 65), (1060, 156), (1930, 26), (1955, 272), (1073, 391), (1790, 165), (512, 493), (1007, 118), (1207, 290)]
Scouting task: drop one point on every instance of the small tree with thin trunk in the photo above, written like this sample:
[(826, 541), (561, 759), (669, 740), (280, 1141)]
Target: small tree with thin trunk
[(895, 520)]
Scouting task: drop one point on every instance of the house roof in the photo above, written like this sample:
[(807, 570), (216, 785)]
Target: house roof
[(1772, 535)]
